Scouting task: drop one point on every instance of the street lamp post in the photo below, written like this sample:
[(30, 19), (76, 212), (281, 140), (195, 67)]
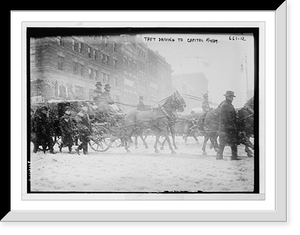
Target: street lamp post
[(244, 67)]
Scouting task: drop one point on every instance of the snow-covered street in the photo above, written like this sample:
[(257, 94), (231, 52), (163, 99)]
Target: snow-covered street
[(142, 170)]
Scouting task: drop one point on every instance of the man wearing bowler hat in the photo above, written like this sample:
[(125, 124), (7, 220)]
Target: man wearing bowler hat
[(228, 133)]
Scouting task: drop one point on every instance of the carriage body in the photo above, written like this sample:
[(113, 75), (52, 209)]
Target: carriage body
[(103, 125)]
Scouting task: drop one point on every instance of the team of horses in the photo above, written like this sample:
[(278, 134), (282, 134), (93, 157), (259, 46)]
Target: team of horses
[(162, 121)]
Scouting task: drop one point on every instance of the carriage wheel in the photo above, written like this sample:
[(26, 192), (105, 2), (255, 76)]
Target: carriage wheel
[(100, 141)]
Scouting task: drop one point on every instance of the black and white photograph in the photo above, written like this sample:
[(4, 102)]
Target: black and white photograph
[(143, 110)]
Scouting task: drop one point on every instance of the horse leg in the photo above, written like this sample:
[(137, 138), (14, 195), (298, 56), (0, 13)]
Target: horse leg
[(156, 142), (127, 145), (144, 142), (185, 139), (35, 147), (214, 142), (44, 146), (170, 145), (223, 141), (174, 142), (196, 139), (163, 144), (206, 137), (248, 151), (135, 141)]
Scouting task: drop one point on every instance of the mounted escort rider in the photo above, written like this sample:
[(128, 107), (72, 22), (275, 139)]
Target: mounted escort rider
[(205, 104)]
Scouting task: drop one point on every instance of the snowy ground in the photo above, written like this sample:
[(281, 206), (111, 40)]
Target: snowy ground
[(142, 170)]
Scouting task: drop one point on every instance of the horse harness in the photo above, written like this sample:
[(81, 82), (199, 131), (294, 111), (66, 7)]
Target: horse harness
[(171, 117)]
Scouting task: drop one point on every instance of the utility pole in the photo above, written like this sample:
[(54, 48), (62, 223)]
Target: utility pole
[(244, 67)]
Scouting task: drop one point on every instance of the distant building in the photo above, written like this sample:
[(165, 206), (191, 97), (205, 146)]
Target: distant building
[(68, 68), (192, 86)]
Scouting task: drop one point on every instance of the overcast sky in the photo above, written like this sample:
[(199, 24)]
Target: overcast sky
[(224, 61)]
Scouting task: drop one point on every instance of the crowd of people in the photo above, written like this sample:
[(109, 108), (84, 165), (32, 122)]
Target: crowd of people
[(74, 126)]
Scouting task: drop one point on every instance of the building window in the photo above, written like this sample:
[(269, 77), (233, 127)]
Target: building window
[(75, 67), (95, 75), (60, 41), (61, 61), (80, 47), (89, 52), (116, 82), (105, 78), (81, 69), (114, 46), (62, 91), (73, 44), (94, 55), (107, 60), (90, 73), (115, 63)]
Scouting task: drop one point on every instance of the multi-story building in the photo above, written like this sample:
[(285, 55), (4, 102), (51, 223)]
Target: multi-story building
[(68, 68)]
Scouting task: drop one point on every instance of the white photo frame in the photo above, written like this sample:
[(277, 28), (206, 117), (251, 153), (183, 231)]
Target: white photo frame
[(271, 208)]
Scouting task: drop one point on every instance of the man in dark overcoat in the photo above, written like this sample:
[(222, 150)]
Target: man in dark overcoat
[(228, 132), (67, 131), (42, 128), (84, 129)]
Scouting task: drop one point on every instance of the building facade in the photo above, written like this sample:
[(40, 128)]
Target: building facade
[(68, 68)]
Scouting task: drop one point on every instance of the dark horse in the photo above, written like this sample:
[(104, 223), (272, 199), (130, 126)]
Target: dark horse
[(245, 118), (157, 119), (245, 125)]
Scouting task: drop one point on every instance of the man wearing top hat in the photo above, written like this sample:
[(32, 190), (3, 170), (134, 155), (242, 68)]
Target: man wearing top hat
[(106, 97), (97, 93), (228, 134), (141, 106)]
